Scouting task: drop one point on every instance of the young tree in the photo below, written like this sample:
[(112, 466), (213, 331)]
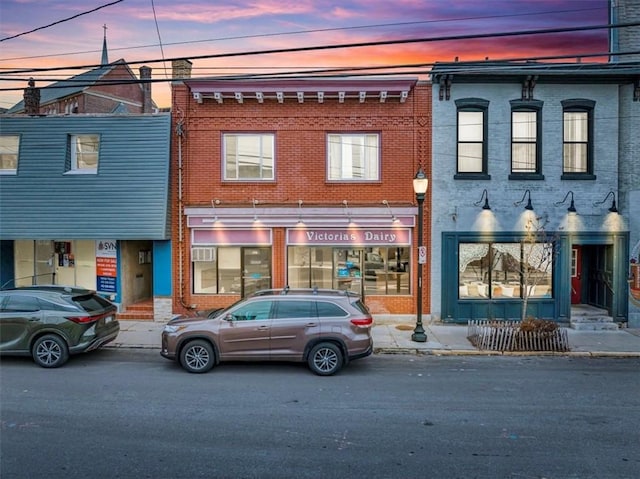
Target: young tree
[(539, 250)]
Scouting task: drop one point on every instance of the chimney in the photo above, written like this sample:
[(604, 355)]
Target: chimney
[(181, 69), (145, 77), (32, 99)]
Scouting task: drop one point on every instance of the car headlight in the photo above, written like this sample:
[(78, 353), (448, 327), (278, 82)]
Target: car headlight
[(173, 329)]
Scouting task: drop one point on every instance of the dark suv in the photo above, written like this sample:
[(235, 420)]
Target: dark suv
[(51, 322), (325, 328)]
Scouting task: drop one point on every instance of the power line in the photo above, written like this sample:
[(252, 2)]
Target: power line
[(349, 45), (494, 66), (155, 19), (59, 21), (318, 30)]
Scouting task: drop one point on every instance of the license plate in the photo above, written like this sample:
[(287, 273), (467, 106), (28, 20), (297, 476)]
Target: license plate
[(108, 319)]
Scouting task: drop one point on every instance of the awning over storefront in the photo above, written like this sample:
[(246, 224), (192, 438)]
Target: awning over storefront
[(259, 215)]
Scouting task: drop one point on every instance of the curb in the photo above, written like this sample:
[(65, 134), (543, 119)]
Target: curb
[(478, 352), (130, 346), (449, 352)]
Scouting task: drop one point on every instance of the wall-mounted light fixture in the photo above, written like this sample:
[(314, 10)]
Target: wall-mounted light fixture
[(485, 195), (613, 208), (300, 222), (215, 212), (572, 206), (529, 205), (255, 211), (345, 203), (394, 219)]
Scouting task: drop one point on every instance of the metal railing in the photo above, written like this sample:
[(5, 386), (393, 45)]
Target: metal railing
[(12, 282)]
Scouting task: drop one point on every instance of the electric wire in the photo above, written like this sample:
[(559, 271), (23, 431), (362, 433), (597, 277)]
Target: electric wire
[(317, 30), (60, 21), (348, 45), (155, 19)]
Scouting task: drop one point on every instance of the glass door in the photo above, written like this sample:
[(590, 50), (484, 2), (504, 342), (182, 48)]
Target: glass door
[(44, 267), (256, 270)]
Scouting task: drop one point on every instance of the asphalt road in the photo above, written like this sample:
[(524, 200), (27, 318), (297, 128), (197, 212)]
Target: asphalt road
[(133, 414)]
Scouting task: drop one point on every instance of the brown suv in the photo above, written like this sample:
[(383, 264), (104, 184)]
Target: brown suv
[(325, 328)]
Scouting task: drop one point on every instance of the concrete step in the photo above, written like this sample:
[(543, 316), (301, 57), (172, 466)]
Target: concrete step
[(135, 315), (593, 323), (140, 307)]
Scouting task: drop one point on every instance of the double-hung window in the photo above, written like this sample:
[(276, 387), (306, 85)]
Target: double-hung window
[(84, 151), (471, 138), (353, 157), (9, 148), (248, 156), (577, 150), (526, 139)]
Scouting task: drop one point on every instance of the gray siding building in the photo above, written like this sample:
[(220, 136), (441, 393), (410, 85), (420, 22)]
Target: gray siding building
[(84, 200)]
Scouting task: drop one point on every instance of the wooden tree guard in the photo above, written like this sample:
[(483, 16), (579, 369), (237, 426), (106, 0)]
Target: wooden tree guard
[(507, 336)]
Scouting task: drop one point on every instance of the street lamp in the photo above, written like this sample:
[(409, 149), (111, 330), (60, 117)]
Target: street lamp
[(420, 185)]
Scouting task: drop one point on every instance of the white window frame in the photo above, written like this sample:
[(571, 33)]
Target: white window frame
[(578, 155), (575, 141), (471, 141), (345, 150), (77, 156), (524, 141), (9, 148), (264, 156)]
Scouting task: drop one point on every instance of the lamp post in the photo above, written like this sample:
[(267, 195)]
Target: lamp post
[(420, 185)]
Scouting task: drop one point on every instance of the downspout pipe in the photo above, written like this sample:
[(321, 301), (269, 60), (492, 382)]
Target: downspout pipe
[(180, 134)]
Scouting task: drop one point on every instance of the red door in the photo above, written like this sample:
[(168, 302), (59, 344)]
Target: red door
[(576, 275)]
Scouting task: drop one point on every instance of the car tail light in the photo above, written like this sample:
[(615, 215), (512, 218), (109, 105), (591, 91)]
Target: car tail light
[(82, 319), (362, 322)]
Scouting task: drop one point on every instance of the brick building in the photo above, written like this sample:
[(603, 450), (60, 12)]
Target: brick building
[(109, 88), (527, 168), (298, 182)]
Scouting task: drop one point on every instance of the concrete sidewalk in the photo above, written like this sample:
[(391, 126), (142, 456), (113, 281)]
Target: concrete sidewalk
[(394, 337)]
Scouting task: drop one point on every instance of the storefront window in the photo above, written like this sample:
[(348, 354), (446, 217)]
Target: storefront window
[(503, 270), (371, 270), (538, 265), (310, 267), (237, 270)]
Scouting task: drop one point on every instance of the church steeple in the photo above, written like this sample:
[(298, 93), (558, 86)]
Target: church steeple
[(105, 56)]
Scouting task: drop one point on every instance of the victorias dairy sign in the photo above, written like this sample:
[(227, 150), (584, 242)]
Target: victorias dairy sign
[(349, 236)]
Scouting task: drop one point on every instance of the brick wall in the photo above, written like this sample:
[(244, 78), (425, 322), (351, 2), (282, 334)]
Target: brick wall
[(405, 132), (629, 37), (456, 209)]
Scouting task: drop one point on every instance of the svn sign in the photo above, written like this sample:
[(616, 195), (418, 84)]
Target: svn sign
[(349, 236), (106, 265)]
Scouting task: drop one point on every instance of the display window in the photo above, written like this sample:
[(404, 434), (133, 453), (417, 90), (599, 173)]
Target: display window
[(231, 270), (503, 270), (368, 270)]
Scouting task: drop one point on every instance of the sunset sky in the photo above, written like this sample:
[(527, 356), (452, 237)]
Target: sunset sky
[(147, 30)]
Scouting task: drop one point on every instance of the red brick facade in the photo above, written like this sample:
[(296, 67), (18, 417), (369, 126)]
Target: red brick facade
[(103, 98), (300, 129)]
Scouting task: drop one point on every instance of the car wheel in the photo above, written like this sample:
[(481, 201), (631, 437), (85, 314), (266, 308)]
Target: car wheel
[(325, 359), (50, 351), (197, 356)]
